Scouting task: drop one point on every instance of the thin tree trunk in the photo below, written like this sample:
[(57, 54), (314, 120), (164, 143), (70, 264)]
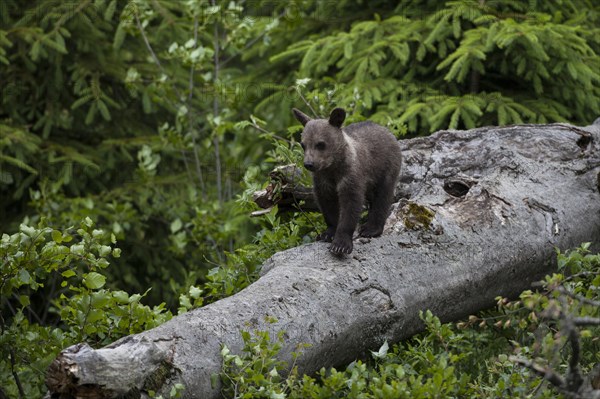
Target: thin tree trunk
[(216, 112)]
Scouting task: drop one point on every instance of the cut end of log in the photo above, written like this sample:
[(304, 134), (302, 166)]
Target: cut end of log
[(127, 368), (62, 380)]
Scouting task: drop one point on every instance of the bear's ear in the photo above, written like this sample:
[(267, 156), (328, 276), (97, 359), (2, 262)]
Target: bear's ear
[(301, 116), (337, 117)]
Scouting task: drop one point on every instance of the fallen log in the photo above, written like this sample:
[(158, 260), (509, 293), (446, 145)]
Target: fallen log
[(479, 216)]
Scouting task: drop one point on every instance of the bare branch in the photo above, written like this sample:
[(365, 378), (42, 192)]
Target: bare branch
[(545, 372), (586, 321), (307, 103), (152, 53), (580, 298), (15, 374), (574, 379)]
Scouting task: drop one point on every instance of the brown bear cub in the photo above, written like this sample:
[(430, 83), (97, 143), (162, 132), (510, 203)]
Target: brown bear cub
[(351, 165)]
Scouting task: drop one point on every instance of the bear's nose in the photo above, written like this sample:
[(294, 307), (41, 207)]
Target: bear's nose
[(309, 165)]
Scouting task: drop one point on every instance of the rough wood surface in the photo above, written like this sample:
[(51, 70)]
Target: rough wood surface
[(480, 215)]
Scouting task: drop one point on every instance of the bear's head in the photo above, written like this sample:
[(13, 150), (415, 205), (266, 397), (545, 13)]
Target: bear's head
[(322, 139)]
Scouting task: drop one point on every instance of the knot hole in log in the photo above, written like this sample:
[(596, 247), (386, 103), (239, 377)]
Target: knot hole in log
[(457, 187), (584, 140)]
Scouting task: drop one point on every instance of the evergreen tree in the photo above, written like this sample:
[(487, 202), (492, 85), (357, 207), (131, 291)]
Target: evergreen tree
[(462, 64)]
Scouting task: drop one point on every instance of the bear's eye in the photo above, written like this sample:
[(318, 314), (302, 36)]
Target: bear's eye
[(320, 146), (303, 146)]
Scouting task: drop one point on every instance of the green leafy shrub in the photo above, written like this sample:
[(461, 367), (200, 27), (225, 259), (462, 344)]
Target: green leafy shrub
[(53, 295)]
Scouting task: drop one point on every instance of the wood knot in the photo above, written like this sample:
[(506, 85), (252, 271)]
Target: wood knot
[(584, 140), (457, 187)]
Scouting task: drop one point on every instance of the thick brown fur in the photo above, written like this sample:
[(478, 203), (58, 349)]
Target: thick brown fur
[(351, 165)]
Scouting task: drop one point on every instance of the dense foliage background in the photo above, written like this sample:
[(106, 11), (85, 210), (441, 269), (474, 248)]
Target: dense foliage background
[(132, 132)]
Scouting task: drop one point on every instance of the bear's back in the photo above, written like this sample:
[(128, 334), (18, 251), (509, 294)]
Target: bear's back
[(378, 150)]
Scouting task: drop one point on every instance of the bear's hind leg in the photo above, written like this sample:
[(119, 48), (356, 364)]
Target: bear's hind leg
[(327, 235), (380, 203)]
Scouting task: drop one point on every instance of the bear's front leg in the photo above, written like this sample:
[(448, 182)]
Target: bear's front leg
[(328, 203), (351, 202)]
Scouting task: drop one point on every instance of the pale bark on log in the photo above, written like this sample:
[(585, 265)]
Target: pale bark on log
[(480, 216)]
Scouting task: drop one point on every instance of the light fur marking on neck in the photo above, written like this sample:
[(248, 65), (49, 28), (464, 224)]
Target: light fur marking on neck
[(351, 146)]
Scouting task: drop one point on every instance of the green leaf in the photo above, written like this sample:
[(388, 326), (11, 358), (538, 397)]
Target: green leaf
[(586, 246), (77, 249), (104, 250), (68, 273), (176, 225), (224, 351), (57, 236), (103, 110), (135, 298), (382, 352), (81, 101), (95, 315), (348, 50), (24, 300), (195, 292), (184, 301), (146, 103), (24, 277), (214, 380), (89, 118), (119, 37), (110, 10), (60, 42), (35, 51), (121, 297), (94, 280)]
